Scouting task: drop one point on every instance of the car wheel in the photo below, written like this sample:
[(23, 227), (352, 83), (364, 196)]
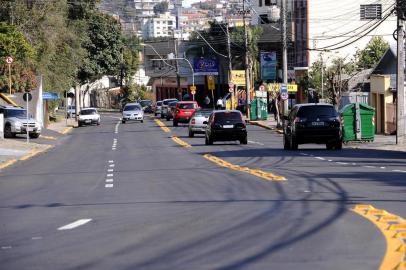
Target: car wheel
[(34, 135), (98, 123), (142, 121), (339, 145), (286, 144), (80, 124), (162, 116), (175, 123), (123, 121), (293, 143), (155, 114), (244, 140), (168, 118), (8, 133), (191, 134)]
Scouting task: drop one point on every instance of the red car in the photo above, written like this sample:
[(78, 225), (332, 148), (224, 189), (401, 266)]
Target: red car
[(184, 111)]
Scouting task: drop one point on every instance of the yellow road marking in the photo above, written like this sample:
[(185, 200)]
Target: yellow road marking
[(256, 172), (66, 130), (35, 152), (162, 125), (395, 248), (7, 163), (47, 137), (181, 142)]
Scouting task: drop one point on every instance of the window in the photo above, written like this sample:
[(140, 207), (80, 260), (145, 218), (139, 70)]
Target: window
[(263, 19), (371, 12), (260, 3), (267, 2)]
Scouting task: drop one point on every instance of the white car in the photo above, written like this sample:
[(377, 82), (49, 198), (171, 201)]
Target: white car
[(132, 112), (88, 116), (16, 122)]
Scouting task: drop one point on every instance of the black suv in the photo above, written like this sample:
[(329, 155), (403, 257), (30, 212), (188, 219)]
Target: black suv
[(312, 123), (226, 126)]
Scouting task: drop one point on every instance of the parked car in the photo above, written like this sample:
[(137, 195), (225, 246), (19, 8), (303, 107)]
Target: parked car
[(146, 105), (71, 111), (183, 111), (157, 107), (312, 123), (132, 111), (88, 116), (225, 125), (196, 123), (16, 122), (171, 110), (164, 106)]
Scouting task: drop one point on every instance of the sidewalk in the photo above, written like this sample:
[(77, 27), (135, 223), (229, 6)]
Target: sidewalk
[(14, 149), (381, 142)]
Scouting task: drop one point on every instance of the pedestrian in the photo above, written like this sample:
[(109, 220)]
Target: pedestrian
[(207, 100), (220, 103)]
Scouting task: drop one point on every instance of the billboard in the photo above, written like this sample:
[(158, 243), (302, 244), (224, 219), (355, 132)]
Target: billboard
[(268, 66), (205, 65)]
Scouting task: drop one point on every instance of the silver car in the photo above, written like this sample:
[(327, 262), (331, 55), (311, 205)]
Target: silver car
[(132, 112), (196, 122), (157, 108), (165, 106)]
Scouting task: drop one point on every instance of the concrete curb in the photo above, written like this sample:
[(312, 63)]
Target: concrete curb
[(28, 156), (280, 131)]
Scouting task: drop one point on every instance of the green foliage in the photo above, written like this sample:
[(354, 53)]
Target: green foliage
[(13, 43), (161, 7), (372, 53), (104, 45), (81, 9), (131, 57), (134, 92)]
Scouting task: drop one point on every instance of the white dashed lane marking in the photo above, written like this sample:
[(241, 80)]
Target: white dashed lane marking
[(110, 170), (75, 224), (109, 180), (109, 185), (111, 161), (109, 175)]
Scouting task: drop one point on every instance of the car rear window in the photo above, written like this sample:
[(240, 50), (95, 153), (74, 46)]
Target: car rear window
[(132, 108), (145, 102), (186, 106), (87, 112), (316, 111), (230, 116), (166, 102), (159, 103), (203, 113)]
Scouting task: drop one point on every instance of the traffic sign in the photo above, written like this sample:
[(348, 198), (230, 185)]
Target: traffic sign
[(193, 88), (27, 96), (284, 91), (231, 85), (9, 60), (193, 92)]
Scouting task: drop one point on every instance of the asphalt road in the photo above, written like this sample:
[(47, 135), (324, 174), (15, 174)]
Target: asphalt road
[(135, 199)]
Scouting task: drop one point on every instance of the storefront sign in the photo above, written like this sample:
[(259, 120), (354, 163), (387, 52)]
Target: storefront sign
[(238, 77), (268, 65), (205, 66)]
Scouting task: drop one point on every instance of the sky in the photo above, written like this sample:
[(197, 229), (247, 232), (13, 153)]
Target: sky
[(187, 3)]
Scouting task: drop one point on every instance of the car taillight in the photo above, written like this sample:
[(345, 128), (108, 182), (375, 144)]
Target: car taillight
[(193, 121)]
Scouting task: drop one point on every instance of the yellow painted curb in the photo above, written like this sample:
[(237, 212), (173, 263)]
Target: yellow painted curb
[(395, 248), (48, 137), (7, 163), (181, 142), (34, 152), (66, 130), (162, 125), (256, 172)]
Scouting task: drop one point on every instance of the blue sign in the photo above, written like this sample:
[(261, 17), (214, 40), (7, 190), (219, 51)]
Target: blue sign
[(268, 66), (205, 66), (284, 91), (50, 96)]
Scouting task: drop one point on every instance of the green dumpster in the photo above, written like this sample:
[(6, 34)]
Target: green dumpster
[(358, 122), (259, 109)]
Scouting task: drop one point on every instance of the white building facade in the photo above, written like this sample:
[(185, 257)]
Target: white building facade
[(159, 26)]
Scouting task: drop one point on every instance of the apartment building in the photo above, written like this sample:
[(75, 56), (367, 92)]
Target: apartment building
[(161, 25)]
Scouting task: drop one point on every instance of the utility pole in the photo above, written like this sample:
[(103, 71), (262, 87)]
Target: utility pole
[(322, 75), (230, 67), (176, 45), (400, 76), (284, 53), (246, 61)]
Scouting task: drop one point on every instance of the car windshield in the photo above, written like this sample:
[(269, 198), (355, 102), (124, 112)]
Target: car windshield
[(166, 102), (88, 112), (316, 111), (145, 103), (173, 103), (186, 106), (203, 113), (71, 107), (227, 116), (132, 108), (16, 113), (159, 103)]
